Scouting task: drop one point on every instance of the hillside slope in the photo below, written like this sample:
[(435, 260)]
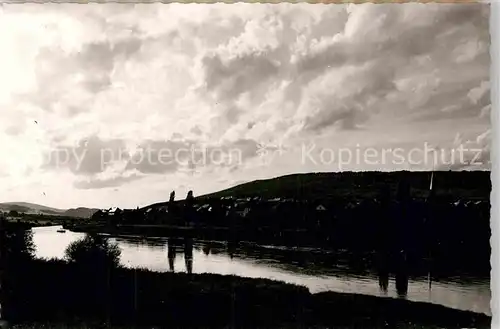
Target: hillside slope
[(463, 184)]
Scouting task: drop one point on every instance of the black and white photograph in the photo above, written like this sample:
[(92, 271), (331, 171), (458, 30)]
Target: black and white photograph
[(245, 165)]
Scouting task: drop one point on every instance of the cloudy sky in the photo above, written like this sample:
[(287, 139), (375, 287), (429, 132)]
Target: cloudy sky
[(117, 105)]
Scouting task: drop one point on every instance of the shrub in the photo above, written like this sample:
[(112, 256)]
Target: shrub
[(94, 252)]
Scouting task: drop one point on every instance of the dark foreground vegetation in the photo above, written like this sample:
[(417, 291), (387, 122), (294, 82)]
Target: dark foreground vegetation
[(66, 293), (90, 288)]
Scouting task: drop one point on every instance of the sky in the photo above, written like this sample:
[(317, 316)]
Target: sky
[(118, 104)]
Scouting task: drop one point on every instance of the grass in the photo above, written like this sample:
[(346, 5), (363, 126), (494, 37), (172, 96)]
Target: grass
[(127, 298)]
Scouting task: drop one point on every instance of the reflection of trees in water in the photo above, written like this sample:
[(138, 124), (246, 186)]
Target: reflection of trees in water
[(171, 254), (398, 266), (383, 272), (188, 254), (315, 262), (231, 249), (401, 275), (383, 281), (402, 284), (139, 241)]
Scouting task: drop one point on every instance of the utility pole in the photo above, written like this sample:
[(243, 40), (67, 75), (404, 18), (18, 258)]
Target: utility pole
[(135, 291), (430, 201), (3, 256)]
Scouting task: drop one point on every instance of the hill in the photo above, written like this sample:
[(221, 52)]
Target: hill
[(452, 184), (80, 212), (20, 206), (359, 185), (32, 208)]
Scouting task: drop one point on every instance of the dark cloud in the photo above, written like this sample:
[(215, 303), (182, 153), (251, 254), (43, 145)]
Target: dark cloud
[(160, 157), (235, 67), (93, 64), (196, 130), (379, 54), (390, 54), (91, 156), (453, 101), (394, 36), (91, 184), (229, 79), (14, 130)]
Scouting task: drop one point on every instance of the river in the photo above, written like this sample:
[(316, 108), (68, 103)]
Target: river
[(303, 267)]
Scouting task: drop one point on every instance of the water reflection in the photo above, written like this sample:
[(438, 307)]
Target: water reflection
[(316, 269), (231, 249), (400, 273), (383, 280), (171, 255), (402, 283), (188, 255)]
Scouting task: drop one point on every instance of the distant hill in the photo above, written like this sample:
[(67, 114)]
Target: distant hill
[(453, 184), (80, 212), (27, 205), (32, 208)]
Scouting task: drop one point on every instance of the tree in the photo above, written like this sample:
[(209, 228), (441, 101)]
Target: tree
[(18, 243), (98, 215), (94, 252), (13, 213), (188, 212)]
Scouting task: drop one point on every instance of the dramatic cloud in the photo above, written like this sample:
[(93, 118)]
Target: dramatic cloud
[(105, 183)]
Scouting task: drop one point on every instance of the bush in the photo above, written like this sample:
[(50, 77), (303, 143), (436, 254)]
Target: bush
[(18, 244), (94, 252)]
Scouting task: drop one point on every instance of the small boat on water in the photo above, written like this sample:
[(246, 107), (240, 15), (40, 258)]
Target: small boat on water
[(61, 231)]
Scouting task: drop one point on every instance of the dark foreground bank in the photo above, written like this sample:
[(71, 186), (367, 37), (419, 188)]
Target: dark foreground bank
[(56, 292)]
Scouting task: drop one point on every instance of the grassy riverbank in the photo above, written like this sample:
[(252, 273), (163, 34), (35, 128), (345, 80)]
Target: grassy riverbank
[(56, 292)]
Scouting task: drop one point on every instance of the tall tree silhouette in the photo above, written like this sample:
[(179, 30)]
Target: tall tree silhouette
[(171, 254), (188, 254), (188, 207)]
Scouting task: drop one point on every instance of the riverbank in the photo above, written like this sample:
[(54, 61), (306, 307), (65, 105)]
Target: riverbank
[(297, 237), (56, 292)]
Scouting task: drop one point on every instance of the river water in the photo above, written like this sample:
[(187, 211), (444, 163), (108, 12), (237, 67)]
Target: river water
[(284, 264)]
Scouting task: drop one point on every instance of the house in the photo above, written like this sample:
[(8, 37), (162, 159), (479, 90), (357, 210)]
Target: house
[(163, 209), (244, 212), (320, 208), (204, 207), (112, 211)]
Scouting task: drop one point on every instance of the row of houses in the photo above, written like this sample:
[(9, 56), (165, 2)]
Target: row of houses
[(243, 207)]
